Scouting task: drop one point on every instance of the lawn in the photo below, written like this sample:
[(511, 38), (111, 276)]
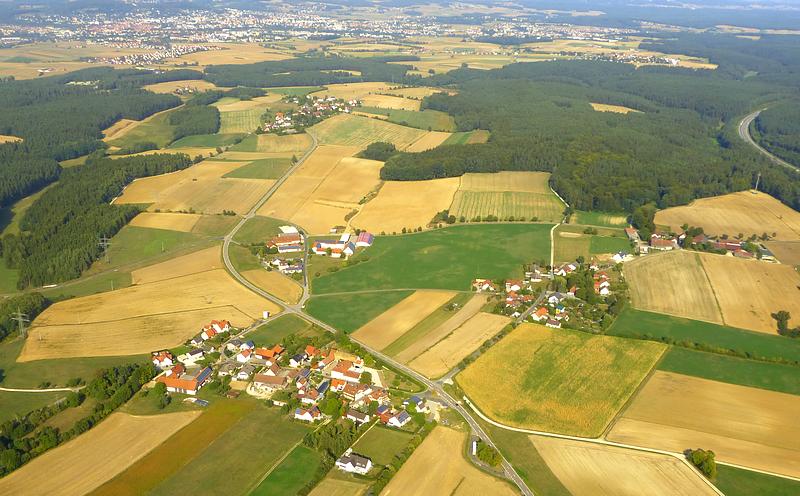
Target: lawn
[(381, 444), (13, 404), (656, 326), (447, 258), (278, 329), (530, 364), (267, 168), (258, 230), (207, 140), (348, 312), (739, 482), (734, 370), (292, 474), (431, 120)]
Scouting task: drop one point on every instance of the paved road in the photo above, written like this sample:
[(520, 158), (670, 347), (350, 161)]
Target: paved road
[(744, 133)]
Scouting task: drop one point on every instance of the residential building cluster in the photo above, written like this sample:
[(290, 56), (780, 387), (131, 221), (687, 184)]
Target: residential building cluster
[(310, 111), (343, 247), (749, 249), (155, 56)]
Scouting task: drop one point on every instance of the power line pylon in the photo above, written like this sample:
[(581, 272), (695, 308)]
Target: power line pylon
[(105, 243), (22, 319)]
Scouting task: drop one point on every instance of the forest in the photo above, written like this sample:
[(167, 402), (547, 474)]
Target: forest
[(778, 130)]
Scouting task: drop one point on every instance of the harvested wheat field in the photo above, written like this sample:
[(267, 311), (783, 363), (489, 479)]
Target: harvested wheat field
[(384, 329), (391, 102), (232, 53), (111, 132), (429, 141), (406, 204), (673, 283), (594, 470), (9, 139), (165, 220), (616, 109), (438, 468), (191, 151), (742, 425), (787, 252), (257, 102), (770, 288), (743, 212), (472, 307), (336, 487), (359, 131), (275, 283), (461, 343), (199, 261), (530, 364), (418, 92), (292, 143), (172, 86), (86, 462), (349, 91)]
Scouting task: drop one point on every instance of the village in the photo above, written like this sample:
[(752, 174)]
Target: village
[(693, 238), (310, 111)]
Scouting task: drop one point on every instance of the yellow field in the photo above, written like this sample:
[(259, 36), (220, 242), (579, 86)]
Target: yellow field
[(523, 182), (193, 263), (735, 213), (172, 86), (160, 314), (9, 139), (233, 53), (384, 329), (292, 143), (163, 220), (616, 109), (191, 151), (359, 131), (428, 141), (472, 307), (257, 102), (408, 204), (462, 342), (787, 252), (747, 426), (749, 291), (673, 283), (115, 129), (275, 284), (530, 365), (335, 487), (86, 462), (390, 102), (595, 470), (418, 92), (350, 91), (56, 57), (437, 467)]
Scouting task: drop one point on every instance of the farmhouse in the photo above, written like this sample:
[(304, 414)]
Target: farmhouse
[(483, 285), (347, 371), (353, 463), (541, 313), (191, 356), (566, 269), (662, 243), (268, 383), (287, 242), (364, 240), (178, 380), (162, 359), (335, 249)]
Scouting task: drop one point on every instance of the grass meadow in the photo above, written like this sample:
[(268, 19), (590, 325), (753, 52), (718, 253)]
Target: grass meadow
[(258, 230), (13, 404), (348, 312), (280, 328), (240, 121), (431, 120), (292, 474), (266, 168), (467, 137), (207, 140), (381, 444), (739, 482)]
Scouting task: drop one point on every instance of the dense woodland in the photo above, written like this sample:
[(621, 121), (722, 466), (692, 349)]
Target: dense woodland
[(194, 119), (778, 130)]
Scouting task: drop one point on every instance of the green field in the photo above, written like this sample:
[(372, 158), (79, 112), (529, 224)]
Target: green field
[(602, 219), (381, 444), (207, 140), (155, 130), (656, 326), (243, 259), (507, 204), (241, 121), (215, 225), (363, 131), (430, 323), (13, 404), (348, 312), (292, 474), (430, 120), (447, 258), (764, 375), (8, 278), (266, 168), (10, 217), (294, 90), (87, 285), (259, 230), (463, 138), (739, 482), (278, 329), (605, 244), (135, 245)]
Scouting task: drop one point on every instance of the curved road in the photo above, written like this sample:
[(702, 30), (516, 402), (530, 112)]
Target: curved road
[(744, 133)]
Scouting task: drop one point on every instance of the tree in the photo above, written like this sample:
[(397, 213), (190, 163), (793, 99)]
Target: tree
[(488, 455), (704, 460), (366, 377), (782, 318)]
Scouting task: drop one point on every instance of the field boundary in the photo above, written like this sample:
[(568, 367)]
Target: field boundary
[(713, 290)]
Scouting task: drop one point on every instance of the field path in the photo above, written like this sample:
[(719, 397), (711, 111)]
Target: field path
[(744, 133), (50, 390)]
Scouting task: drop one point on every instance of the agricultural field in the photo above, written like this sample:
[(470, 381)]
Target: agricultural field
[(787, 252), (425, 260), (616, 109), (521, 195), (241, 121), (595, 470), (172, 86), (353, 130), (381, 444), (273, 143), (262, 168), (163, 220), (275, 330), (24, 61), (86, 462), (570, 243), (14, 404), (192, 263), (275, 283), (739, 482), (429, 141), (600, 219), (331, 486), (205, 141), (673, 283), (406, 204), (258, 230), (432, 120), (350, 91), (231, 53), (389, 326), (292, 474), (743, 212), (348, 312), (742, 425), (462, 342), (468, 137), (438, 466), (529, 364), (155, 129)]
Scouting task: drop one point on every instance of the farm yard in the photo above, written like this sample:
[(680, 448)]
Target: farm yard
[(742, 425), (595, 470), (518, 380), (353, 130), (91, 459)]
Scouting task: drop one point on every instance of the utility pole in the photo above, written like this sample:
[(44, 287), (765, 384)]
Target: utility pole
[(758, 179), (105, 243), (22, 319)]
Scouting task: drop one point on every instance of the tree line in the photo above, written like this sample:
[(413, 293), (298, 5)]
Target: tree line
[(778, 130)]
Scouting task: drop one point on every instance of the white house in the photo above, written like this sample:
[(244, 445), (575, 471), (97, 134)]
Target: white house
[(357, 417), (310, 415), (353, 463), (191, 356), (399, 420), (244, 356), (162, 359), (245, 373)]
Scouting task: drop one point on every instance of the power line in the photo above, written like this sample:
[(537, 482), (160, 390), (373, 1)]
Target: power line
[(22, 319), (105, 243)]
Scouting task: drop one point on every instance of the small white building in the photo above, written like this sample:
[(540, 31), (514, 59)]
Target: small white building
[(353, 463)]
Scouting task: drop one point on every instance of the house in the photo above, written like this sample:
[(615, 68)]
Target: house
[(191, 356), (357, 417), (379, 396), (571, 291), (513, 285), (245, 372), (310, 415), (347, 371), (310, 397), (566, 269), (326, 361), (603, 288), (297, 360), (269, 383), (556, 298), (553, 324), (244, 356), (311, 351), (197, 340), (272, 370), (221, 326), (162, 359), (287, 242), (420, 405), (337, 385), (353, 463), (483, 285), (336, 249), (178, 380), (247, 345), (269, 353), (233, 345), (227, 368), (288, 229), (662, 243), (364, 240), (632, 234), (356, 392), (399, 419), (621, 256), (540, 314), (208, 332)]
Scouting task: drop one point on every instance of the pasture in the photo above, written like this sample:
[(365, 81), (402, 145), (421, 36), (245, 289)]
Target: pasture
[(529, 364), (406, 204), (595, 470), (673, 283), (291, 474), (615, 109), (153, 129), (393, 323), (353, 130), (432, 120), (348, 312), (743, 212), (462, 342), (429, 260), (381, 444), (745, 426), (275, 283), (438, 466), (86, 462)]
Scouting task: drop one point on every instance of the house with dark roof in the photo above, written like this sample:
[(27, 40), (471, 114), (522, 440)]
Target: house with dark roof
[(353, 463)]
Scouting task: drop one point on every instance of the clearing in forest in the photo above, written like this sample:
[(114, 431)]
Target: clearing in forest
[(438, 466), (744, 212), (9, 139), (172, 86), (530, 364), (742, 425), (429, 141), (594, 470), (354, 130), (468, 137), (616, 109), (164, 220), (86, 462)]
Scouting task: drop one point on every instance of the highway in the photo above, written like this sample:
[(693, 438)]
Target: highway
[(744, 133)]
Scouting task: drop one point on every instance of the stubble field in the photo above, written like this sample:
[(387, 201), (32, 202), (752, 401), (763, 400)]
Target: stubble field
[(164, 220), (276, 284), (428, 141), (353, 130), (192, 263), (171, 86)]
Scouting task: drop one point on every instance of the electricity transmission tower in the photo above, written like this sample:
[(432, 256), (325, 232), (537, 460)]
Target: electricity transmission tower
[(22, 319), (105, 243), (758, 179)]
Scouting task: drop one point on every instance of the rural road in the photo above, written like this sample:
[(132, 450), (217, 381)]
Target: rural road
[(50, 390), (744, 133)]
